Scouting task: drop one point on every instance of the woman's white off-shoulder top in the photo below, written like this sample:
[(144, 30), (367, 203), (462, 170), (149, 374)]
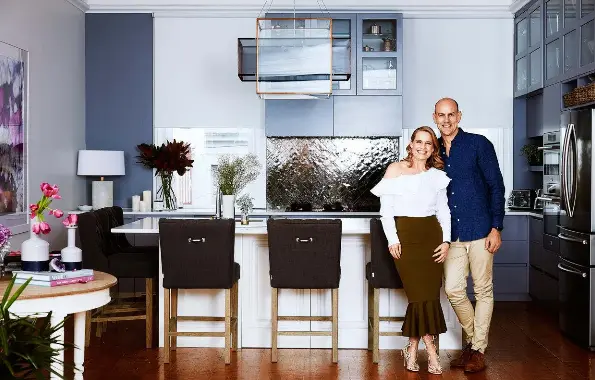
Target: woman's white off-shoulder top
[(417, 195)]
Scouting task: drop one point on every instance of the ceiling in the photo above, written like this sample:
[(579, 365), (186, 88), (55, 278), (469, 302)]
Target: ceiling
[(502, 8)]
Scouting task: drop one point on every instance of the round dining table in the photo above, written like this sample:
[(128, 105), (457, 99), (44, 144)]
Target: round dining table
[(62, 301)]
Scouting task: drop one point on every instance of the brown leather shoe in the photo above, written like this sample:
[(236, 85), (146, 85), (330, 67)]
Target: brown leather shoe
[(462, 360), (476, 362)]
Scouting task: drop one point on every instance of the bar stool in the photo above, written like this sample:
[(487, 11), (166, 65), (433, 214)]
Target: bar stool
[(381, 273), (199, 254), (112, 253), (305, 254)]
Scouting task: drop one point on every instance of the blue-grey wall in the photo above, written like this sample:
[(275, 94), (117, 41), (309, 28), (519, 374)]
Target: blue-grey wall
[(119, 94)]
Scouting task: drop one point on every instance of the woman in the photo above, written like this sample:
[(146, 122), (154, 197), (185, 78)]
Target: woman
[(416, 221)]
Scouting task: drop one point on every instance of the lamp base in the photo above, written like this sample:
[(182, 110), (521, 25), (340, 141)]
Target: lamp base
[(103, 194)]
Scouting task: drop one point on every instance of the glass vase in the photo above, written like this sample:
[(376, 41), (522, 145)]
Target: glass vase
[(166, 192)]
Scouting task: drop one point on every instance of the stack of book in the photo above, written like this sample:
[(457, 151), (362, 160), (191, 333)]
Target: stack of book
[(54, 278)]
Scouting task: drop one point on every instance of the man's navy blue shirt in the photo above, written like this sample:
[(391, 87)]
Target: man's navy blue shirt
[(476, 189)]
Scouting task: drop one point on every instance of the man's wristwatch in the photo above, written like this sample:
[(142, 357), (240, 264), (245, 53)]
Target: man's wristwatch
[(498, 229), (447, 242)]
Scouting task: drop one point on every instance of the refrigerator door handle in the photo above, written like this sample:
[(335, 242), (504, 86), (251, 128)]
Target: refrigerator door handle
[(563, 172), (573, 169), (571, 239), (582, 274)]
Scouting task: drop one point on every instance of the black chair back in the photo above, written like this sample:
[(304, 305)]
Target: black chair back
[(382, 265), (198, 254), (305, 253), (93, 242)]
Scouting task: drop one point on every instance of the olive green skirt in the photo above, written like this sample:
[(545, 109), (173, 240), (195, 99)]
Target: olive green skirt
[(421, 275)]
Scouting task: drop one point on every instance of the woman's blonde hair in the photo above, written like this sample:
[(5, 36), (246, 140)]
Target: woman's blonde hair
[(434, 161)]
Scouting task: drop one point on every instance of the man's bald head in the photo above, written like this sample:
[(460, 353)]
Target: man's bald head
[(449, 101)]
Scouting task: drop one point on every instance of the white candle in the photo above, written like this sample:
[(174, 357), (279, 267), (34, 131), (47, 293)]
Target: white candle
[(136, 203), (147, 196), (145, 206)]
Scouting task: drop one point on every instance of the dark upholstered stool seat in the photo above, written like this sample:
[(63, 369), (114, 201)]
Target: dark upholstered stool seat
[(305, 254), (113, 253), (381, 273), (199, 254)]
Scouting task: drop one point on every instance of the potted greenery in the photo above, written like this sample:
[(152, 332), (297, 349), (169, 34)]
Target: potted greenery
[(532, 153), (28, 346), (246, 206), (232, 175)]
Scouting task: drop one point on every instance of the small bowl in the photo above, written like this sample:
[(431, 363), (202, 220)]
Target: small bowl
[(85, 208)]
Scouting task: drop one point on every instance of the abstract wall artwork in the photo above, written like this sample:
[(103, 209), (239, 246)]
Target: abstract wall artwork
[(12, 129)]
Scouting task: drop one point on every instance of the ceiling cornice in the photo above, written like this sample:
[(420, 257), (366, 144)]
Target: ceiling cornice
[(409, 11), (516, 5), (80, 4)]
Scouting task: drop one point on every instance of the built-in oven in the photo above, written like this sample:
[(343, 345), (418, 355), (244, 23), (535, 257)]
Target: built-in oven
[(550, 194)]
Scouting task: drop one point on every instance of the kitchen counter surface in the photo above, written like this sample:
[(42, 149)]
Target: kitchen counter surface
[(289, 214)]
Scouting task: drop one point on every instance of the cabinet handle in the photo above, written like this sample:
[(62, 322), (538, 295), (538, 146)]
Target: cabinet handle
[(574, 240), (201, 240), (309, 240)]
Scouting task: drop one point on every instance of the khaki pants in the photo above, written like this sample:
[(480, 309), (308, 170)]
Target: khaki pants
[(463, 256)]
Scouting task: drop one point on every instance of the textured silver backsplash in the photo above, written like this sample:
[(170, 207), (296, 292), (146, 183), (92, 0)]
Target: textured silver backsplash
[(326, 172)]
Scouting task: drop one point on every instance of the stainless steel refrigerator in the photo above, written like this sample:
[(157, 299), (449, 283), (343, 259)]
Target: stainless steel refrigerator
[(576, 267)]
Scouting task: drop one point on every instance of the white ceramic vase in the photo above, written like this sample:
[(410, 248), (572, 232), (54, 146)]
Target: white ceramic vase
[(71, 255), (35, 252), (228, 206)]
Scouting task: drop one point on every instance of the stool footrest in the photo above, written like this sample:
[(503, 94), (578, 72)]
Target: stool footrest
[(305, 333), (305, 318), (210, 334), (391, 319), (121, 318), (390, 333)]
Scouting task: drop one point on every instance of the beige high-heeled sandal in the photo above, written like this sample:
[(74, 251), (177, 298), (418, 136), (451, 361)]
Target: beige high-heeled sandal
[(413, 367), (431, 369)]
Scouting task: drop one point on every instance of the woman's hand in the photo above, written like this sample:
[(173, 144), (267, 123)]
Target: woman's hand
[(441, 252), (395, 250)]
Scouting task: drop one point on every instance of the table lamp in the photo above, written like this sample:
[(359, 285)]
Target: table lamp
[(101, 163)]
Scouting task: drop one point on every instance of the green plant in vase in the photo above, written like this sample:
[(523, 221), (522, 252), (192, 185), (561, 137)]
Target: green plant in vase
[(28, 346), (532, 153), (166, 159), (245, 202), (232, 175)]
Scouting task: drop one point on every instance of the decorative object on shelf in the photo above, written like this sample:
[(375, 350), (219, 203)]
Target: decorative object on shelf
[(135, 203), (232, 175), (388, 44), (101, 163), (375, 29), (166, 159), (246, 206), (35, 252), (580, 95), (5, 235), (71, 255), (533, 155), (32, 347)]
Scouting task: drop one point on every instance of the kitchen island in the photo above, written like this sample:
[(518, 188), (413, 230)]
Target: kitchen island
[(251, 252)]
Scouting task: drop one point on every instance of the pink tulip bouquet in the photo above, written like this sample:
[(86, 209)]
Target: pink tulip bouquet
[(37, 209), (70, 220)]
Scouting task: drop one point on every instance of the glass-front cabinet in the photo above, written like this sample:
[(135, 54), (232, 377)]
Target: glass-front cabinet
[(569, 39), (344, 32), (379, 54), (528, 67)]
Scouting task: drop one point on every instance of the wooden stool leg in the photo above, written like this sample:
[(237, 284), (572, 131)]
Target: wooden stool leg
[(370, 317), (174, 318), (234, 331), (227, 352), (274, 321), (335, 333), (376, 326), (99, 325), (149, 312), (166, 324), (88, 317)]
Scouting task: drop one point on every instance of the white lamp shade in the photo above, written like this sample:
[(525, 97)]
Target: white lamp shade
[(101, 162)]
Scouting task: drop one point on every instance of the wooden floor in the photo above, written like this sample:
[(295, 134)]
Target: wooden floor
[(524, 344)]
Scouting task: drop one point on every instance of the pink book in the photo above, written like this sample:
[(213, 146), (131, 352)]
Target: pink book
[(63, 281)]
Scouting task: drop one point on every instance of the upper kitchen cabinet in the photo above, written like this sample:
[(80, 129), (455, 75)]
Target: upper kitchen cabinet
[(569, 39), (528, 73), (344, 32), (379, 54)]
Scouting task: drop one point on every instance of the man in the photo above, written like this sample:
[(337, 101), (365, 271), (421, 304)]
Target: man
[(476, 201)]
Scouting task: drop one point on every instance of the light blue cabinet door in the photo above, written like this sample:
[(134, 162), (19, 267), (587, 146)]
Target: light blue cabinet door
[(299, 117), (368, 116)]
